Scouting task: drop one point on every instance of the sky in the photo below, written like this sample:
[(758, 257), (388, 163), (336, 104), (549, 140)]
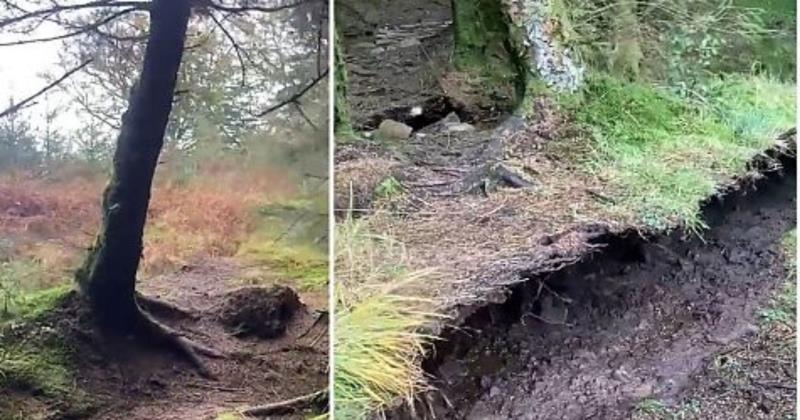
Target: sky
[(21, 67)]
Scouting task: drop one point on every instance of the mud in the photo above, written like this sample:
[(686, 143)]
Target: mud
[(635, 321)]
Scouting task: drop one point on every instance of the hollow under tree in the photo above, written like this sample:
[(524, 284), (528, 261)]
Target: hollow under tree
[(107, 278)]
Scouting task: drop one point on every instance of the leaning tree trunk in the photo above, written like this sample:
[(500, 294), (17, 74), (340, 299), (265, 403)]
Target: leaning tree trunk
[(108, 276)]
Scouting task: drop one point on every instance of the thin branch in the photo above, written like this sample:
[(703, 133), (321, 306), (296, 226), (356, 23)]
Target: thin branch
[(140, 5), (262, 9), (294, 97), (235, 45), (16, 107), (284, 407), (82, 30), (303, 114)]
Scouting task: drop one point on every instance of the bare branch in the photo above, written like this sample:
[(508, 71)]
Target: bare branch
[(16, 107), (139, 5), (303, 114), (82, 30), (254, 8), (235, 45), (294, 97)]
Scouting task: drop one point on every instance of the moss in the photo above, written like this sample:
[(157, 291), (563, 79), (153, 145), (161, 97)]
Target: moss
[(36, 363), (489, 44), (341, 115), (229, 415), (34, 305), (535, 89)]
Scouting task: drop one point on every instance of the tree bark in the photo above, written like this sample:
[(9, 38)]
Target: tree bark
[(108, 276), (489, 41), (341, 115)]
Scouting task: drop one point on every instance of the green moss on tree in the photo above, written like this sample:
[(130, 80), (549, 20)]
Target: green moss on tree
[(341, 116), (489, 44)]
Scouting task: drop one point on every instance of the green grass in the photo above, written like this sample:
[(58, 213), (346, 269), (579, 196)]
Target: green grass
[(284, 242), (389, 188), (379, 324), (663, 156), (306, 266)]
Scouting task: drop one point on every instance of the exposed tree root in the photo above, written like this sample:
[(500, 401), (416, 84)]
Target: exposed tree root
[(164, 335), (287, 406), (322, 319), (156, 306)]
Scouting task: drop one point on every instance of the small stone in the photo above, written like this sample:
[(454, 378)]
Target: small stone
[(460, 128), (409, 42), (486, 382), (621, 375), (495, 391), (390, 129)]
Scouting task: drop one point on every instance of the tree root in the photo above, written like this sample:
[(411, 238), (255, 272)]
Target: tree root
[(169, 337), (322, 319), (157, 306), (286, 406), (489, 176)]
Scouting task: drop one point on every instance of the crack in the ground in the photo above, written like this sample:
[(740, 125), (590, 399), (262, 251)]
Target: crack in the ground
[(633, 322)]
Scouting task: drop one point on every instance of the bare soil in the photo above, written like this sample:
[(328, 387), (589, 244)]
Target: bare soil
[(642, 320), (121, 378), (398, 56)]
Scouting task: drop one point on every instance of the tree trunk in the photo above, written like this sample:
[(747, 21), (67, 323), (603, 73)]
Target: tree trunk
[(341, 115), (108, 276), (489, 42), (520, 38)]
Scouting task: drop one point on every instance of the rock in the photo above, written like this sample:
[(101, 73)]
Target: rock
[(451, 118), (409, 42), (460, 128), (495, 391), (390, 129)]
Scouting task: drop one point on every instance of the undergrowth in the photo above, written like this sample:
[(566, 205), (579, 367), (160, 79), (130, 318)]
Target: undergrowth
[(288, 241), (663, 155), (380, 320), (35, 361)]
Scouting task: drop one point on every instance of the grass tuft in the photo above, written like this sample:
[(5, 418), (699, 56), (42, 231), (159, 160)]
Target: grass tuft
[(380, 320)]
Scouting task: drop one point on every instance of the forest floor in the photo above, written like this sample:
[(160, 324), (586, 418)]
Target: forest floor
[(495, 203), (245, 292)]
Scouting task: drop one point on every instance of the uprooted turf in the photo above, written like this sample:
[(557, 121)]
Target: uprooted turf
[(618, 156)]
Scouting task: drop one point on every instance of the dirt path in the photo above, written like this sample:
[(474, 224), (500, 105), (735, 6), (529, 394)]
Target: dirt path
[(635, 322)]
